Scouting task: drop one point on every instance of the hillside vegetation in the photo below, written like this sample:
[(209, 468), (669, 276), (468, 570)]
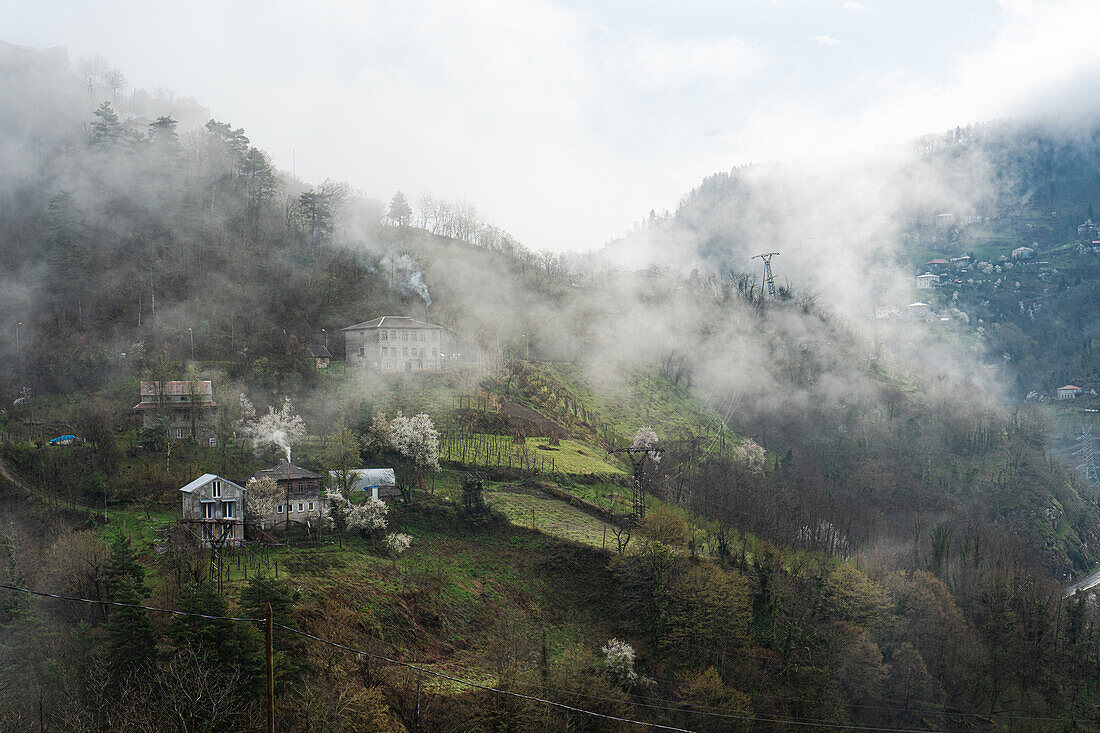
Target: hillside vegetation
[(844, 527)]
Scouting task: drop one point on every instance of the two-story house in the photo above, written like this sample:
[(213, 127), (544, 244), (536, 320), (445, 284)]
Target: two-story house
[(304, 496), (394, 345), (184, 408), (216, 506)]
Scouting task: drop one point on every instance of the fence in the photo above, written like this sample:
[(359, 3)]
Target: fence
[(492, 451)]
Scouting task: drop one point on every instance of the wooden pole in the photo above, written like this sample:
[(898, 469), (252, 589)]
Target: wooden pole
[(269, 628)]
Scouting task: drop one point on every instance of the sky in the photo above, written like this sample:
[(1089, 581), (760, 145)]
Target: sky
[(565, 121)]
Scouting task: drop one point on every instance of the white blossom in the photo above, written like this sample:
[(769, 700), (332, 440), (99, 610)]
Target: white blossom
[(416, 438), (619, 660), (397, 543), (369, 517)]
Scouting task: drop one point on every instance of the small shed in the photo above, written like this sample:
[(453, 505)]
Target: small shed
[(1068, 392), (1023, 253), (380, 483), (321, 356)]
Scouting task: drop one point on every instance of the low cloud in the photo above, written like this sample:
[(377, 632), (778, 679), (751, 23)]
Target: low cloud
[(825, 40)]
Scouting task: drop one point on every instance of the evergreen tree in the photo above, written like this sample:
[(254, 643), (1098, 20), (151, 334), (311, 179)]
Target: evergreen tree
[(131, 638), (289, 648), (400, 211), (106, 129), (224, 645)]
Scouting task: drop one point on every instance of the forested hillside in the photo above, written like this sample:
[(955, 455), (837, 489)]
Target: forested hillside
[(846, 526)]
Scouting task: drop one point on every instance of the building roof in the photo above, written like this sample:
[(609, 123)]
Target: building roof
[(1070, 386), (180, 388), (318, 351), (929, 274), (918, 304), (391, 322), (367, 478), (204, 480), (937, 261), (279, 472)]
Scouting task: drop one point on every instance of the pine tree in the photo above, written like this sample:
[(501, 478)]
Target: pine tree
[(106, 129), (224, 645)]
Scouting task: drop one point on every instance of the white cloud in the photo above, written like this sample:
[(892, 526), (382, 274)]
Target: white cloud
[(825, 40), (852, 6)]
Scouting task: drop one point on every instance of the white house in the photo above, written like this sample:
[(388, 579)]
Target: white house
[(379, 483), (927, 281), (1023, 253), (216, 505), (885, 311), (1069, 392), (918, 311)]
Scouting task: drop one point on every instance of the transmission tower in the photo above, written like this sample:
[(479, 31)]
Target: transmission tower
[(769, 279), (1088, 457), (639, 457)]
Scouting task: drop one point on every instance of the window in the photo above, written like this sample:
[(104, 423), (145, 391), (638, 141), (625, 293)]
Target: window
[(299, 506), (311, 506), (279, 509), (216, 489), (404, 335), (179, 432), (405, 351), (213, 442), (228, 509), (361, 351), (301, 487), (207, 532), (208, 510), (383, 336)]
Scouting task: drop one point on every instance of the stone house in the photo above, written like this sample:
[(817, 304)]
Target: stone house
[(304, 497), (216, 506), (185, 408), (394, 345)]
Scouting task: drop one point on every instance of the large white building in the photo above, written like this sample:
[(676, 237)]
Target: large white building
[(394, 345)]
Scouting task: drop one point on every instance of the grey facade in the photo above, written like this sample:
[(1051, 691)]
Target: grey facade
[(215, 507), (185, 409), (304, 498), (394, 345)]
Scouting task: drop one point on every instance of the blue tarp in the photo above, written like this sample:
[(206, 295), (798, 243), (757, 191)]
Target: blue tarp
[(62, 440)]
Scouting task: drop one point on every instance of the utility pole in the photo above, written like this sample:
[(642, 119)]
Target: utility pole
[(269, 629), (769, 279), (191, 333)]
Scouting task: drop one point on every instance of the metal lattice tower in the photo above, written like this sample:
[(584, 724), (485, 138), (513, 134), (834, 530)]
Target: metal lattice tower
[(639, 457), (1088, 457), (769, 279)]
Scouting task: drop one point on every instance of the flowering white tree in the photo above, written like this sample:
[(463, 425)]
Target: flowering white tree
[(751, 454), (280, 427), (646, 439), (260, 499), (397, 543), (369, 517), (416, 439), (618, 659)]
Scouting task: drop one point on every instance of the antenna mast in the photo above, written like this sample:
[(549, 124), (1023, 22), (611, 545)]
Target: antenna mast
[(769, 279)]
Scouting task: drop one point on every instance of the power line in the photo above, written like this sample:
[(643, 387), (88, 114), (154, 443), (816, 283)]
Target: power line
[(379, 657), (60, 597)]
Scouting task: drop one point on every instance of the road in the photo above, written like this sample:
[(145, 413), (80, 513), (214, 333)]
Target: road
[(1090, 581)]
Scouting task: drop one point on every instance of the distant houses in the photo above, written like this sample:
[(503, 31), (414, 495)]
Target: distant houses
[(184, 409), (1023, 253), (1068, 392), (394, 345)]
